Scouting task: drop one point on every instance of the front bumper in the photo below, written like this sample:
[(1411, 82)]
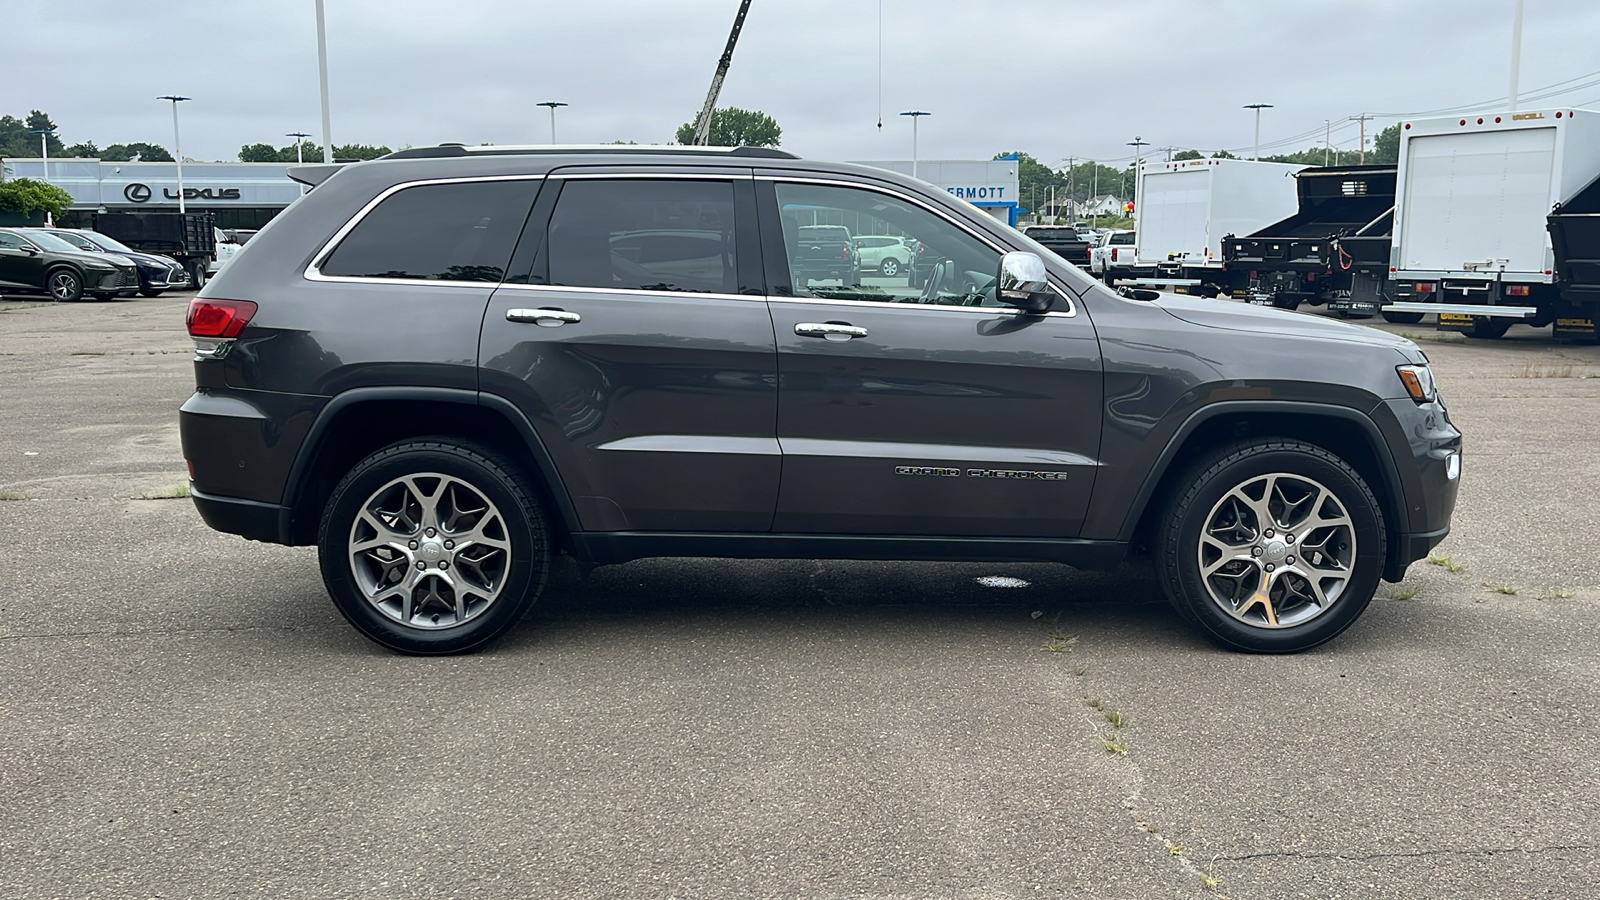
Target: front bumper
[(1430, 480)]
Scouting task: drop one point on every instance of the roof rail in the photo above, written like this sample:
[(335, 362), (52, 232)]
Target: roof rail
[(457, 150)]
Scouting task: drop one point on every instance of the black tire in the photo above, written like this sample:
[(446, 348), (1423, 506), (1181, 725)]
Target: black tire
[(1286, 301), (148, 292), (449, 469), (63, 284), (1402, 318), (197, 273), (1489, 328), (1221, 475), (890, 267)]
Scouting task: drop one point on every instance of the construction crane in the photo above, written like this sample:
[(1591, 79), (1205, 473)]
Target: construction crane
[(702, 126)]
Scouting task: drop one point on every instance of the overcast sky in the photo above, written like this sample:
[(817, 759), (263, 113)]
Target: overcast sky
[(1054, 78)]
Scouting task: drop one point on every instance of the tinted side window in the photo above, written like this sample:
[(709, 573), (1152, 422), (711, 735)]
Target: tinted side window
[(10, 241), (644, 234), (438, 232)]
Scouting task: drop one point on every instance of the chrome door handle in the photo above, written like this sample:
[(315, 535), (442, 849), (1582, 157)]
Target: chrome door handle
[(833, 331), (548, 318)]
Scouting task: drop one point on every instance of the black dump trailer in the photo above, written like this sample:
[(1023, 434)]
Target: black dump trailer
[(1334, 250), (189, 238), (1575, 238)]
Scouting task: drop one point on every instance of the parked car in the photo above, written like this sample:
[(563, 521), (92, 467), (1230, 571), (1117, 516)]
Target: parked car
[(444, 372), (1064, 240), (228, 246), (189, 238), (885, 254), (157, 274), (33, 259), (825, 252), (1112, 256)]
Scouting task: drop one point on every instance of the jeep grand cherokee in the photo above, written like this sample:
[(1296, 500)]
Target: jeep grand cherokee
[(448, 365)]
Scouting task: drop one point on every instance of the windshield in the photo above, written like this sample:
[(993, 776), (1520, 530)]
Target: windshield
[(105, 243), (48, 241)]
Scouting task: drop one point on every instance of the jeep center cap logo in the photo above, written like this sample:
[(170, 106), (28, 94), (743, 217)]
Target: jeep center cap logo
[(137, 193)]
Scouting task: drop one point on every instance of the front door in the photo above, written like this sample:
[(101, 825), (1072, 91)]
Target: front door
[(641, 349), (928, 409), (19, 267)]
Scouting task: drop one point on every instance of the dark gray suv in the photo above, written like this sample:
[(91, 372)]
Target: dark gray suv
[(446, 366)]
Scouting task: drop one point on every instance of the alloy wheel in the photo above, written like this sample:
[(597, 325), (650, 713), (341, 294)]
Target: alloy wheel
[(1277, 550), (430, 551)]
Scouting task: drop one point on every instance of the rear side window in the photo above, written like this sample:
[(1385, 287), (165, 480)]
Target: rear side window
[(1122, 239), (644, 234), (437, 232)]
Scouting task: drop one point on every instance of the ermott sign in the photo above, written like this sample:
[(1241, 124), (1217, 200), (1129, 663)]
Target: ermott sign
[(982, 192)]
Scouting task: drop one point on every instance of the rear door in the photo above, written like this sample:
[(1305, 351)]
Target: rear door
[(1478, 197), (925, 410), (634, 334)]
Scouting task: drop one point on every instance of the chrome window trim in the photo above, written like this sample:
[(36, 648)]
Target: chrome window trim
[(1063, 293), (313, 271), (561, 288)]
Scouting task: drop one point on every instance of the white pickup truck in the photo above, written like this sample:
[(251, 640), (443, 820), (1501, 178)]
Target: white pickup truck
[(1112, 256)]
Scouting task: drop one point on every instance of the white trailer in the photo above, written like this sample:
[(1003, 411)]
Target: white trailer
[(1183, 210), (1471, 241)]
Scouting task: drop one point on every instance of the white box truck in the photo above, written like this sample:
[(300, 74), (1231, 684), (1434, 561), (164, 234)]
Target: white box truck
[(1471, 234), (1184, 210)]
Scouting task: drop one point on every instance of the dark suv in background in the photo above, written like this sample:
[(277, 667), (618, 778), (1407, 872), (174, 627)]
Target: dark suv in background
[(446, 366), (33, 259)]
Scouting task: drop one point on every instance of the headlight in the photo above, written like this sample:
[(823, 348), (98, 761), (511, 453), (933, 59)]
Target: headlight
[(1418, 381)]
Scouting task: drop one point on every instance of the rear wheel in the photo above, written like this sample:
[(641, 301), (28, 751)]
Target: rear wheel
[(1489, 328), (1403, 318), (64, 285), (1286, 301), (1276, 546), (890, 267), (197, 273), (434, 546)]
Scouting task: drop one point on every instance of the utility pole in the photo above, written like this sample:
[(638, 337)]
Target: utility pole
[(1327, 140), (1258, 107), (177, 145), (552, 104), (1169, 150), (299, 150), (1138, 143), (1363, 120), (1071, 194), (915, 115), (1516, 54)]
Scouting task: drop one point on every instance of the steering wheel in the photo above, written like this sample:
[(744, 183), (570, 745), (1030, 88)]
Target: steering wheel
[(936, 280)]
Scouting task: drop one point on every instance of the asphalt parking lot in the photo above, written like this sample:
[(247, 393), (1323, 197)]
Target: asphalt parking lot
[(186, 715)]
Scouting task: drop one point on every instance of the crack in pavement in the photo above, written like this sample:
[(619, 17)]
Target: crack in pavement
[(1411, 854), (168, 632)]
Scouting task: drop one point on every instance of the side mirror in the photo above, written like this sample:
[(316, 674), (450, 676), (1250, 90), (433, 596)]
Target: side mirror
[(1022, 282)]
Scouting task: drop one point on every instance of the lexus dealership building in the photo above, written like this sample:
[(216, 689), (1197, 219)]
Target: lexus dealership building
[(240, 195)]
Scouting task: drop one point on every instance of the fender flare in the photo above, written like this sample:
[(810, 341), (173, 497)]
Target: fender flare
[(294, 485), (1394, 498)]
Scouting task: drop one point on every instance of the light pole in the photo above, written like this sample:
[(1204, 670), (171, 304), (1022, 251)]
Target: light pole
[(553, 104), (1138, 143), (177, 146), (322, 74), (915, 115), (1516, 54), (44, 147), (299, 150), (1258, 107)]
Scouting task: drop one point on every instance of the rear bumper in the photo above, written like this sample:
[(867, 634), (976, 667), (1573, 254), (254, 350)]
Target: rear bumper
[(246, 518)]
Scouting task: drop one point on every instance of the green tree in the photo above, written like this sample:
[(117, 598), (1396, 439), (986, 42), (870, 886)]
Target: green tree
[(1035, 179), (84, 150), (734, 127), (352, 151), (1223, 154), (145, 152), (27, 195), (1386, 146), (258, 153), (18, 140), (1187, 154)]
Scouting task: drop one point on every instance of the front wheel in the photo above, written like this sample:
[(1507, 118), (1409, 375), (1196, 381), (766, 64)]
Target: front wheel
[(1402, 318), (64, 285), (1274, 546), (890, 267), (150, 293), (434, 546)]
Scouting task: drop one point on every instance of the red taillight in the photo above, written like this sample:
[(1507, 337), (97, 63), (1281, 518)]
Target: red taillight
[(1516, 290), (1113, 254), (218, 318), (846, 251), (1424, 287)]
